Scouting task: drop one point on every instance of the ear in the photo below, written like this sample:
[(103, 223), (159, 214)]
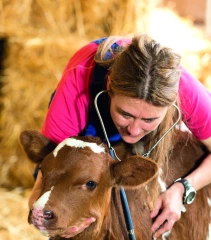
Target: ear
[(35, 145), (108, 83), (134, 171)]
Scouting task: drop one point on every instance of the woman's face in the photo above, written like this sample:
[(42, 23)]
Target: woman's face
[(134, 118)]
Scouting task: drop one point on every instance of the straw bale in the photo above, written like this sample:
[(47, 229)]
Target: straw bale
[(90, 18), (115, 17), (34, 67), (13, 216)]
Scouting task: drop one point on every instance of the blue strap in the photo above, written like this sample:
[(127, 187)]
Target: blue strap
[(125, 207), (127, 215)]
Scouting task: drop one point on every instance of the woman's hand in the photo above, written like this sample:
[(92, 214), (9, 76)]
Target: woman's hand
[(36, 190), (73, 231), (167, 210)]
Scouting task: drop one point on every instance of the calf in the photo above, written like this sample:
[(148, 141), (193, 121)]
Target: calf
[(81, 180)]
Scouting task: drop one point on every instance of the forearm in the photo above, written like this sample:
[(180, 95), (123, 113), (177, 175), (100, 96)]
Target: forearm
[(201, 176)]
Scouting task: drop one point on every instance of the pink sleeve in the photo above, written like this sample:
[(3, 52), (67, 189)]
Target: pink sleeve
[(68, 112), (195, 104)]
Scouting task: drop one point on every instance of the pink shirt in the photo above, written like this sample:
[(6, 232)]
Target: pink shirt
[(68, 113), (195, 105)]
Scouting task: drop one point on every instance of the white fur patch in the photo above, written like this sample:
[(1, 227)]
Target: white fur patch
[(165, 235), (161, 182), (209, 233), (209, 201), (72, 142), (183, 127), (40, 203)]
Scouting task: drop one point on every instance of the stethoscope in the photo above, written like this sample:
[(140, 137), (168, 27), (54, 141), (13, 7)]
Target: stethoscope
[(125, 206)]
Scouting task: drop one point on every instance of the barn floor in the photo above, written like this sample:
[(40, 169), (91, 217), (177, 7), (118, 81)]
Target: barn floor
[(13, 216)]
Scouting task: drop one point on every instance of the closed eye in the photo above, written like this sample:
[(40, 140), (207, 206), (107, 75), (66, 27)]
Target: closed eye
[(149, 120), (125, 114)]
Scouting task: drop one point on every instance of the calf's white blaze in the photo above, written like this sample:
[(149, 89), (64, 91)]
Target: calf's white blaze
[(78, 144), (40, 203)]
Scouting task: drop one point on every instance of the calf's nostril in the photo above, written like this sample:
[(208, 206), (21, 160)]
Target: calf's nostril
[(48, 215)]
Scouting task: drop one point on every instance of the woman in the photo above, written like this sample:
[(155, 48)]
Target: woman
[(143, 80)]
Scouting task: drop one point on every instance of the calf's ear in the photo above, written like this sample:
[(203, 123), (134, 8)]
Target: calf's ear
[(35, 145), (134, 171)]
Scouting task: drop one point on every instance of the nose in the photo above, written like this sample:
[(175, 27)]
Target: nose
[(40, 217), (48, 215), (134, 128)]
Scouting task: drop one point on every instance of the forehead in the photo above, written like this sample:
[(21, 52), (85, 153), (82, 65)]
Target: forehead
[(136, 107), (75, 159), (72, 142)]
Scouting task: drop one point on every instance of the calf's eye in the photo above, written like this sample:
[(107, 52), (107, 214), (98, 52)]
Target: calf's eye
[(91, 185)]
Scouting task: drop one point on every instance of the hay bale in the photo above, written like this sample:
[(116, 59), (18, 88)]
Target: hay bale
[(33, 68), (82, 17), (13, 216), (115, 17)]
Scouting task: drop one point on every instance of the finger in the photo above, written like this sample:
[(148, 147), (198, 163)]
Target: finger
[(88, 221), (156, 210), (71, 232), (164, 228), (159, 221)]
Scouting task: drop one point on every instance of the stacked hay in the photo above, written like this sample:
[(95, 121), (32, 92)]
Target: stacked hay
[(33, 69), (42, 35), (13, 217), (86, 18)]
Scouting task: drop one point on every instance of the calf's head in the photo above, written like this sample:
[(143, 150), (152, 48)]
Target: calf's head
[(77, 177)]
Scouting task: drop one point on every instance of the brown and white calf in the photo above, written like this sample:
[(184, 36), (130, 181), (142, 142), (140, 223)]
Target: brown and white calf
[(81, 180)]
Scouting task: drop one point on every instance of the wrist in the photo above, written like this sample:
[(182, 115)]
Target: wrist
[(189, 192), (179, 187)]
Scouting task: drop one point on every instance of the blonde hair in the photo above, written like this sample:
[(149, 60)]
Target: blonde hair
[(145, 70)]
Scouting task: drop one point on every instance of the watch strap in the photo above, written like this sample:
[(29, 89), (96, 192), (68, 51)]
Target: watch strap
[(187, 188)]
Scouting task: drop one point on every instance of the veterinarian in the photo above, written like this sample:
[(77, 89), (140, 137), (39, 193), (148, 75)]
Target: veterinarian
[(143, 80)]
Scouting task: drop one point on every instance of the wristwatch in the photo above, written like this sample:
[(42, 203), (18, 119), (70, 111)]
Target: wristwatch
[(189, 193)]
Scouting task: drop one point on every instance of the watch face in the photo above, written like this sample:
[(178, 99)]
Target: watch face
[(190, 197)]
